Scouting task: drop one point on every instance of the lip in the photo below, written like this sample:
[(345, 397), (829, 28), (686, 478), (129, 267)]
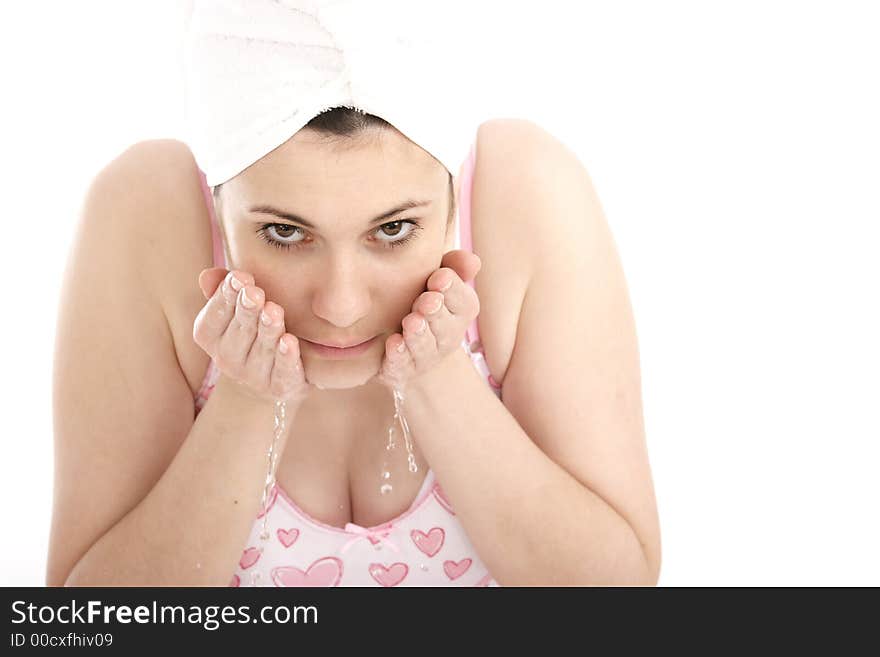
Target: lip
[(336, 353)]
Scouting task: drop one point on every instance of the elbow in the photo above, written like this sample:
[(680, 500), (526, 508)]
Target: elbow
[(642, 575), (57, 583), (639, 570), (651, 578), (652, 563), (73, 578), (55, 577), (645, 574), (655, 575)]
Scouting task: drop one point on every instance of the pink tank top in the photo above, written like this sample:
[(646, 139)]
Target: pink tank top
[(424, 546)]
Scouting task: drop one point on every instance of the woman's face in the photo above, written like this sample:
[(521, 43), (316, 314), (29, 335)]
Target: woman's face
[(341, 273)]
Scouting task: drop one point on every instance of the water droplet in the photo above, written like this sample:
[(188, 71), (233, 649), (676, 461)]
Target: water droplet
[(423, 566), (398, 417), (272, 464)]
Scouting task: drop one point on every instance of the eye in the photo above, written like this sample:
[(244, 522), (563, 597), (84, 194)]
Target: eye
[(396, 239), (278, 235)]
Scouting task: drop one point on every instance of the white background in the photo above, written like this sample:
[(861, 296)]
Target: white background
[(736, 152)]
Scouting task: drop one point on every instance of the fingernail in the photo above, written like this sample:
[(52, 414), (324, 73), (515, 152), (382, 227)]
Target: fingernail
[(235, 283), (447, 286), (246, 301), (282, 346), (433, 310), (265, 319), (422, 328), (401, 347)]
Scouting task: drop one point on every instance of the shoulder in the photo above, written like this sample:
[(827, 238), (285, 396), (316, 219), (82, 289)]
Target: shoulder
[(144, 170), (138, 196), (519, 131), (511, 205), (152, 195), (521, 146), (525, 174), (149, 187), (155, 189), (523, 158), (154, 173)]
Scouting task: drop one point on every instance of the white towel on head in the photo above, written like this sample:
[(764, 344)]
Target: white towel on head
[(256, 71)]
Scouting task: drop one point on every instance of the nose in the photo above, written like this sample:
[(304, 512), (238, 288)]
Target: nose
[(342, 298)]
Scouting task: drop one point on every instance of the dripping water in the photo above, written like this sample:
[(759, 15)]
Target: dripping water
[(280, 417), (385, 486), (273, 454)]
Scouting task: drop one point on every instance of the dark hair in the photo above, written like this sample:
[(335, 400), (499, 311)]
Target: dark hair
[(346, 123)]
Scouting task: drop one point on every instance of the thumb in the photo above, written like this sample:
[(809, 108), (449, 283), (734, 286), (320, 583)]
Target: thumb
[(465, 263), (209, 279)]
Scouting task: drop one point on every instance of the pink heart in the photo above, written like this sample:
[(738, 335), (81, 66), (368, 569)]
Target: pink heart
[(441, 497), (485, 580), (326, 571), (272, 497), (288, 536), (249, 557), (455, 570), (429, 543), (235, 581), (389, 576)]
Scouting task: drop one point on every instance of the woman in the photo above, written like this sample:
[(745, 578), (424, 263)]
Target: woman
[(165, 392)]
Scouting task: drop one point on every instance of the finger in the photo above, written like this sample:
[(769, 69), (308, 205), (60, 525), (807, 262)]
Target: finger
[(232, 284), (261, 357), (459, 298), (419, 339), (287, 371), (239, 337), (429, 303), (464, 263), (398, 359), (442, 279), (215, 316), (441, 322), (209, 279)]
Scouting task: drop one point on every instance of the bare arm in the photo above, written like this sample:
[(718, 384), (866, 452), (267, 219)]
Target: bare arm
[(191, 528), (143, 494)]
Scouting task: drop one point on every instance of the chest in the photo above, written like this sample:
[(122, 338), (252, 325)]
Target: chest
[(332, 470)]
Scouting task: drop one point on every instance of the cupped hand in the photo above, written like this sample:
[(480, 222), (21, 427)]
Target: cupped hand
[(447, 308), (247, 340)]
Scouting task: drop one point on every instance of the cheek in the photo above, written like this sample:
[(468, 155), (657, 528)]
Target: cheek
[(247, 256), (405, 281), (403, 294), (395, 286)]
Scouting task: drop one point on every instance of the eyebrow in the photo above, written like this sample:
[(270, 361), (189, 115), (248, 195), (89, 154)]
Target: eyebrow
[(406, 205)]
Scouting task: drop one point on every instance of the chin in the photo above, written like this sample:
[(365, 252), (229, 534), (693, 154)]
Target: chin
[(333, 377)]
